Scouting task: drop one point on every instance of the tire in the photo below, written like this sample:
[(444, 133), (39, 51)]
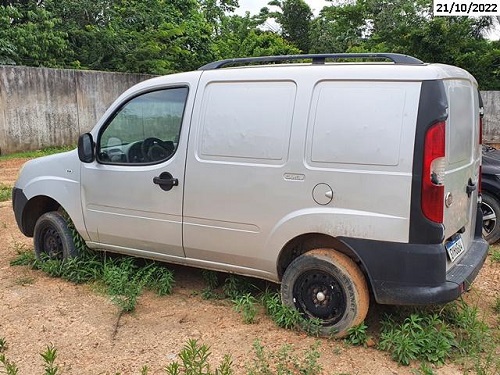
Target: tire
[(491, 218), (53, 238), (328, 285)]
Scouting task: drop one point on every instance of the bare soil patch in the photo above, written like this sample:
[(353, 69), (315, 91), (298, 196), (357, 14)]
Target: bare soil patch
[(84, 326)]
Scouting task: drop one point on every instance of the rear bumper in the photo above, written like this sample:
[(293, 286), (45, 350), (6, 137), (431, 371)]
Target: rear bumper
[(458, 280), (415, 274)]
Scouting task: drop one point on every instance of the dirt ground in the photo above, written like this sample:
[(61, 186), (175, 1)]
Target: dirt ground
[(36, 310)]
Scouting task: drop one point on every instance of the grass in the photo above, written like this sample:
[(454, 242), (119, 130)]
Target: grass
[(36, 153), (495, 254), (427, 336), (194, 359), (5, 192)]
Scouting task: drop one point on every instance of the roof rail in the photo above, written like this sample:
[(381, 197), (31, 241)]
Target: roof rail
[(396, 58)]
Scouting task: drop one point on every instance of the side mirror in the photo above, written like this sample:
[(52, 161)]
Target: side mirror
[(86, 148)]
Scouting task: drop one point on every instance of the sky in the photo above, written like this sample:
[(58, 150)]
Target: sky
[(254, 6)]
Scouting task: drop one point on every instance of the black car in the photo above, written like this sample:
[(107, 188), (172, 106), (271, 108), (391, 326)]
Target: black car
[(490, 187)]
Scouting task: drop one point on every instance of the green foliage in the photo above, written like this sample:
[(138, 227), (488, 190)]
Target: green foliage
[(9, 366), (419, 336), (357, 335), (3, 345), (194, 361), (282, 361), (36, 153), (24, 256), (472, 334), (234, 286), (433, 336), (5, 192), (49, 357), (211, 278), (123, 278), (284, 316), (294, 17), (246, 305), (495, 254)]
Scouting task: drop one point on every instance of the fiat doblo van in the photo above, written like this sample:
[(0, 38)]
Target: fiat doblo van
[(339, 179)]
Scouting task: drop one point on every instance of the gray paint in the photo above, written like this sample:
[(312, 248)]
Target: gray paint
[(42, 107)]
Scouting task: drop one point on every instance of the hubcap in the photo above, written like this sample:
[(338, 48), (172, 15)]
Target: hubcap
[(318, 294), (489, 218)]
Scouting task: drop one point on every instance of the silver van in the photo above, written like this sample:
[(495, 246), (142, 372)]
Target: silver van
[(343, 181)]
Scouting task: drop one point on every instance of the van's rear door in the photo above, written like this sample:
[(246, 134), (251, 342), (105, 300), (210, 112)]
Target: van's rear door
[(463, 158)]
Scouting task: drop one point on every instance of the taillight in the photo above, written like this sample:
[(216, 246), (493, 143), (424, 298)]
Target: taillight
[(433, 173)]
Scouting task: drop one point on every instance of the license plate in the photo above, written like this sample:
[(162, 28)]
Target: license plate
[(455, 247)]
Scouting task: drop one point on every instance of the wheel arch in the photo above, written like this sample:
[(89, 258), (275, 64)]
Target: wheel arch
[(309, 241), (34, 208)]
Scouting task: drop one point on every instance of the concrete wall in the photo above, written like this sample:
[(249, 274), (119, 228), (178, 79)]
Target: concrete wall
[(42, 107), (491, 123)]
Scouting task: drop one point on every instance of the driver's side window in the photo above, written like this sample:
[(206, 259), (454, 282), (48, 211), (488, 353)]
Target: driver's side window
[(144, 130)]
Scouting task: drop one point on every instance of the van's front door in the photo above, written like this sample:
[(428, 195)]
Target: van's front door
[(131, 198)]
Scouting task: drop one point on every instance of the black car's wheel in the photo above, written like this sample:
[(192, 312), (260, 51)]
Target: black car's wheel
[(491, 216), (329, 286), (52, 237)]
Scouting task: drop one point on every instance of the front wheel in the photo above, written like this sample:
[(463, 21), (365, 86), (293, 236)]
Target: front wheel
[(53, 238), (326, 285)]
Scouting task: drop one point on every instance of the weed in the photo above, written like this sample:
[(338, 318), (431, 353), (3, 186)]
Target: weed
[(495, 254), (234, 286), (3, 345), (24, 256), (24, 280), (357, 335), (194, 361), (245, 305), (283, 361), (144, 370), (284, 316), (311, 326), (49, 357), (496, 306), (5, 192), (424, 369), (420, 336), (9, 366), (209, 293), (211, 278)]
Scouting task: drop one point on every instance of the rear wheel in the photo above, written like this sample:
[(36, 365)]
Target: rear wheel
[(52, 237), (327, 285), (491, 216)]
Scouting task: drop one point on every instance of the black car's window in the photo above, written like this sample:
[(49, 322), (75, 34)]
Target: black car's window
[(144, 130)]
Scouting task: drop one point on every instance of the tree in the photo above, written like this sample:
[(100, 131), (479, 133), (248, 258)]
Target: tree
[(29, 35), (294, 17)]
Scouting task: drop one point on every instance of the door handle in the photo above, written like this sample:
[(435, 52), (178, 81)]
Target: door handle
[(470, 187), (166, 181)]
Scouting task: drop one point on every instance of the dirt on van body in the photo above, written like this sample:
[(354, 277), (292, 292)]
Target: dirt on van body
[(92, 338)]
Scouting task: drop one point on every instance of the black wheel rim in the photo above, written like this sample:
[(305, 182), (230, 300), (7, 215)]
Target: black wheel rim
[(318, 294), (489, 219), (51, 243)]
